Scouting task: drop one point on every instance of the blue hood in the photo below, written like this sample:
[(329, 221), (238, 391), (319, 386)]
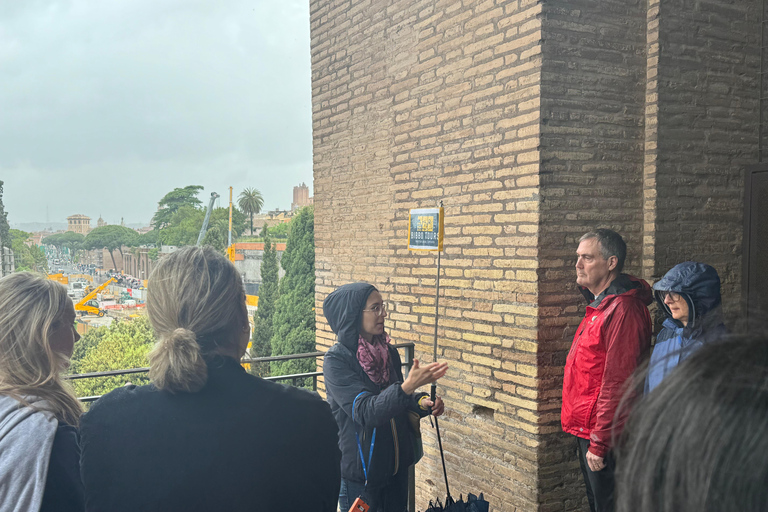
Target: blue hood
[(697, 282), (343, 308)]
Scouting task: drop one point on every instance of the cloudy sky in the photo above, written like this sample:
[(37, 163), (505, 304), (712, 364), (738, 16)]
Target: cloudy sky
[(107, 105)]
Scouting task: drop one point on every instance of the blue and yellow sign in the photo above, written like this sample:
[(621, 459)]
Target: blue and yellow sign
[(425, 229)]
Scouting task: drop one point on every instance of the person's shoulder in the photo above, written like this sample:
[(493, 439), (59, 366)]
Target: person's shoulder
[(118, 399), (338, 350), (283, 393)]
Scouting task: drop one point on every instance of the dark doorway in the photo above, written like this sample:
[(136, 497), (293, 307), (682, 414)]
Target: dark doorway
[(756, 243)]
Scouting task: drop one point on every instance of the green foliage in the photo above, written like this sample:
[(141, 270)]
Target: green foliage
[(280, 231), (5, 236), (173, 201), (262, 320), (27, 258), (122, 345), (148, 238), (111, 238), (184, 227), (250, 202), (294, 317), (70, 239)]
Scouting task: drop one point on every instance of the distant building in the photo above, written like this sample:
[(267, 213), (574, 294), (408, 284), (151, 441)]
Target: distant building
[(301, 197), (101, 222), (7, 262), (272, 218), (79, 224)]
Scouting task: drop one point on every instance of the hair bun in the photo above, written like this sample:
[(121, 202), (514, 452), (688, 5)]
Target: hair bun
[(176, 364), (184, 339)]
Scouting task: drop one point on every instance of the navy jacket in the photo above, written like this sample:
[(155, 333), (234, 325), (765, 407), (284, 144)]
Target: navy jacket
[(699, 285), (383, 408), (239, 444)]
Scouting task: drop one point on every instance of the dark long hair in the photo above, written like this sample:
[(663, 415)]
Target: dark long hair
[(698, 442)]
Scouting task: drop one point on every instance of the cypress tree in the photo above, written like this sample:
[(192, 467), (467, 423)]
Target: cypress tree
[(294, 320), (262, 319)]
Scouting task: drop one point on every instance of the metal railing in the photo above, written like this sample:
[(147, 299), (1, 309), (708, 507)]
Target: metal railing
[(294, 378)]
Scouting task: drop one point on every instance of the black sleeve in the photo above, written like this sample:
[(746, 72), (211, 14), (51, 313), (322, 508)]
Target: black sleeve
[(348, 390), (63, 487)]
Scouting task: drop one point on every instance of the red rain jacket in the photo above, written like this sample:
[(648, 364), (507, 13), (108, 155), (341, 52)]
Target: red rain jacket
[(612, 339)]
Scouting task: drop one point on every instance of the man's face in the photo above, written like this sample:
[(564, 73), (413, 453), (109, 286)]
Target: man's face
[(592, 270)]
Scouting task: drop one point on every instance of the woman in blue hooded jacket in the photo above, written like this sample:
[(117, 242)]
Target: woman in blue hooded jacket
[(689, 294), (371, 401)]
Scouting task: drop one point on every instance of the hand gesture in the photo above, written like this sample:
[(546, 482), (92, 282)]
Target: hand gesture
[(420, 375)]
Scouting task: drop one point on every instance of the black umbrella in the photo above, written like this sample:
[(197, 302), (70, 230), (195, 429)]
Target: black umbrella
[(473, 504)]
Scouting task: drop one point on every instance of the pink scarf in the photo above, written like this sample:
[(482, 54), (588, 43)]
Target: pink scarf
[(374, 358)]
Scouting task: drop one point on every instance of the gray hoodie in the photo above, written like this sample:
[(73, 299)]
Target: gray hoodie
[(26, 440)]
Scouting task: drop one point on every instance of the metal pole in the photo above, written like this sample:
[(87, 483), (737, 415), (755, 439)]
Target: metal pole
[(229, 240), (433, 390), (437, 300)]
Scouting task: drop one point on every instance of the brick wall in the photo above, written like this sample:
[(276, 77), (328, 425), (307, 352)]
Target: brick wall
[(534, 122), (707, 107), (415, 101), (591, 173)]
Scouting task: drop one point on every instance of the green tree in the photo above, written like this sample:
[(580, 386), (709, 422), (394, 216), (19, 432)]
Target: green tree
[(73, 241), (122, 345), (184, 227), (261, 339), (294, 319), (5, 235), (250, 202), (111, 238), (27, 257), (280, 231), (172, 201), (148, 238)]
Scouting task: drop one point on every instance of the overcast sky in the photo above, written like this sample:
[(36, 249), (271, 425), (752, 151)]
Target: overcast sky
[(107, 105)]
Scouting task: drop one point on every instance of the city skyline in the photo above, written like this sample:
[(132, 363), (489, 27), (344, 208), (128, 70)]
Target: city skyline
[(108, 107)]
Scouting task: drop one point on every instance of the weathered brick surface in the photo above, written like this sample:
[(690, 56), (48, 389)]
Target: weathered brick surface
[(593, 92), (707, 133), (534, 122), (420, 101)]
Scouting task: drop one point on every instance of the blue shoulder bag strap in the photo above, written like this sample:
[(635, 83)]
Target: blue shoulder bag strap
[(359, 446)]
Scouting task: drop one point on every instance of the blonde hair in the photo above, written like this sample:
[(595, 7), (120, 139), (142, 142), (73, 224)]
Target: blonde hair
[(196, 304), (30, 308)]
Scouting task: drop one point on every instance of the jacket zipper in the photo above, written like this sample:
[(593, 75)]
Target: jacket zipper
[(397, 447)]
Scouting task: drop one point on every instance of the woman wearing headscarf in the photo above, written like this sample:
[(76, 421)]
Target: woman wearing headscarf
[(689, 294), (206, 435), (371, 401), (39, 413)]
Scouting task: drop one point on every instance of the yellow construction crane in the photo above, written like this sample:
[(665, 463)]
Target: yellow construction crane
[(86, 304)]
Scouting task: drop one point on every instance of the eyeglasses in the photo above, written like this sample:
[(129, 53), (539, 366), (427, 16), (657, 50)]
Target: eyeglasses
[(673, 296), (378, 309)]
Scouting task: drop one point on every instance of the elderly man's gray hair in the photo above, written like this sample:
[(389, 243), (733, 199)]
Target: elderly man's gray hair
[(611, 244)]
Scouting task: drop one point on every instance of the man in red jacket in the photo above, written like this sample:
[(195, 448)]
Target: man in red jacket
[(611, 340)]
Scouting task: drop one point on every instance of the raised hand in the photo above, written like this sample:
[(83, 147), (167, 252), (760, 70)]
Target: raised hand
[(420, 375)]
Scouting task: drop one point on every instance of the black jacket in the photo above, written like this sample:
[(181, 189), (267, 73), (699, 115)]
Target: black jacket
[(384, 408), (63, 488), (241, 443)]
